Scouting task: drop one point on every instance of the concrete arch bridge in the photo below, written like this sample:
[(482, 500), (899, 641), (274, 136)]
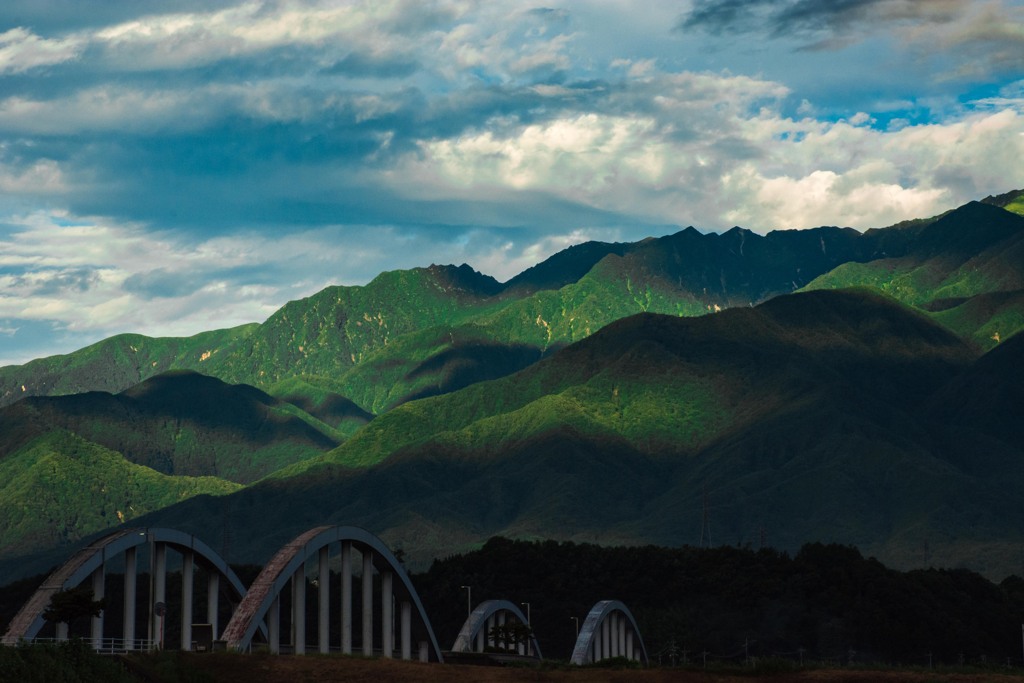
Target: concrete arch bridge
[(271, 613)]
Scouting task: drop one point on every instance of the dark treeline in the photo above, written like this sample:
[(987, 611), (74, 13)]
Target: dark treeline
[(825, 603)]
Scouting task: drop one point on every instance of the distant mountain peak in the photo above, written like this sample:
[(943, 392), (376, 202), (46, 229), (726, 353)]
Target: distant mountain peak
[(465, 278)]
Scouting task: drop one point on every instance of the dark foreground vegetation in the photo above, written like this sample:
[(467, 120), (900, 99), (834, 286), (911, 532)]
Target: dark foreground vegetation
[(74, 663)]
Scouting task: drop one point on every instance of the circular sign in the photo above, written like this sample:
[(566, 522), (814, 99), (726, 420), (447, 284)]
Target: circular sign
[(159, 609)]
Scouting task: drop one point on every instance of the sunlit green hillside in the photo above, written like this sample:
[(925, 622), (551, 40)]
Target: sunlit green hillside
[(58, 488)]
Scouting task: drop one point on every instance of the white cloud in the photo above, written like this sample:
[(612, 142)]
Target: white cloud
[(40, 177), (706, 152), (22, 50)]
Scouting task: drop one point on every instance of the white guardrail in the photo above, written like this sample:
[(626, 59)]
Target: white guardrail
[(109, 646)]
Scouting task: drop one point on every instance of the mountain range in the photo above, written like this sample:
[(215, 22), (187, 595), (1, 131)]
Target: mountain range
[(816, 385)]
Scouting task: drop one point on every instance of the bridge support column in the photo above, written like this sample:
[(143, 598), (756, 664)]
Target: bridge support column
[(324, 607), (274, 626), (346, 597), (212, 601), (159, 592), (98, 578), (131, 580), (629, 645), (481, 639), (387, 629), (188, 567), (613, 640), (406, 630), (299, 610), (622, 635), (606, 640), (367, 602), (62, 631)]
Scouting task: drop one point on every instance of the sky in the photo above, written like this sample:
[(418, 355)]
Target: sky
[(169, 167)]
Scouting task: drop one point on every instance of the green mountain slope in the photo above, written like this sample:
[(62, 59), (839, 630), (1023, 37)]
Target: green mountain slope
[(115, 364), (986, 319), (680, 381), (58, 488), (178, 423), (809, 417), (974, 251), (427, 331)]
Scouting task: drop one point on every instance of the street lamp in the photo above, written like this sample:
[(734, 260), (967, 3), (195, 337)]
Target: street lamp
[(577, 620), (469, 600)]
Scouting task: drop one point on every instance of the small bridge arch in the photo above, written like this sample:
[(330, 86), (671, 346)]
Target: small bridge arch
[(90, 563), (609, 631), (476, 633), (262, 603)]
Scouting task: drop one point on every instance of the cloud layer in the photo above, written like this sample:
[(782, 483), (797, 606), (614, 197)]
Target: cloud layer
[(167, 172)]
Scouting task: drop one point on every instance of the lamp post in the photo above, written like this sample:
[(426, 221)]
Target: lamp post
[(577, 620), (469, 600)]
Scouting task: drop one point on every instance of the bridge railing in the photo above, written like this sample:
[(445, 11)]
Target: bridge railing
[(107, 646)]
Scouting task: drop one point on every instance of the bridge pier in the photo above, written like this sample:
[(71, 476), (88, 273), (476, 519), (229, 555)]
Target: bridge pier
[(346, 597), (299, 610), (274, 627), (131, 580), (158, 578), (367, 603), (324, 601), (98, 591), (387, 631), (406, 630), (212, 602), (188, 566)]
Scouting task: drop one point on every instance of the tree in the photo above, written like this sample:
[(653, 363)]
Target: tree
[(74, 603), (509, 635)]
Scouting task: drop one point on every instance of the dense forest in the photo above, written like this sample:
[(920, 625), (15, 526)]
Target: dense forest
[(826, 602)]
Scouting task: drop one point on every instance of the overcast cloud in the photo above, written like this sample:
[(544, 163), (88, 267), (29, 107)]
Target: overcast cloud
[(171, 167)]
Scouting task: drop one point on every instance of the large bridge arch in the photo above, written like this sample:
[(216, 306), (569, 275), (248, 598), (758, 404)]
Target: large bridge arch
[(261, 604), (609, 631), (475, 634), (91, 562)]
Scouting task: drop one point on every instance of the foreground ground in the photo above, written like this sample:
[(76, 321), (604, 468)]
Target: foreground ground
[(230, 668)]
